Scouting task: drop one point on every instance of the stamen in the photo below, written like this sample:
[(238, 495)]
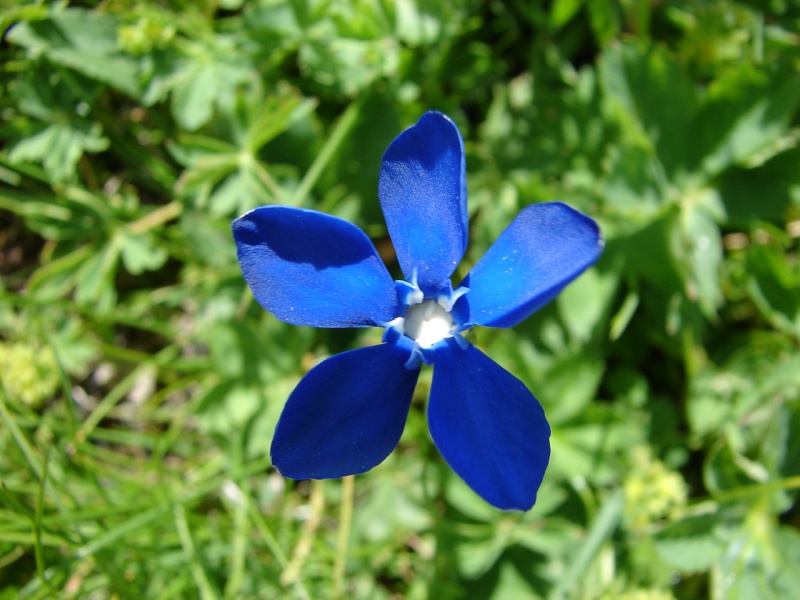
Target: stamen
[(447, 302), (427, 323)]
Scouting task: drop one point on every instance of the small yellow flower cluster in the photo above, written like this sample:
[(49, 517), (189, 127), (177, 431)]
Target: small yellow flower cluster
[(149, 32), (652, 490), (30, 375)]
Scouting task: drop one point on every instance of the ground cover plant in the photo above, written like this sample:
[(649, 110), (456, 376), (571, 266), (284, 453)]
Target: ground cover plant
[(142, 383)]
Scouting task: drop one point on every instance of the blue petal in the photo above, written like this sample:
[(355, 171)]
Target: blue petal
[(545, 247), (489, 428), (308, 268), (423, 193), (346, 415)]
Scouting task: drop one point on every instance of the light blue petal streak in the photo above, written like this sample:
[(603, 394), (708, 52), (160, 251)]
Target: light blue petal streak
[(346, 415), (423, 193), (488, 427), (540, 252), (309, 268)]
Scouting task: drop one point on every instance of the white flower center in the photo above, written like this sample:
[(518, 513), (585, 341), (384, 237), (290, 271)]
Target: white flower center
[(427, 323)]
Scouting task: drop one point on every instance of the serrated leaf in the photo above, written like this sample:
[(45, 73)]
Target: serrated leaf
[(207, 79), (82, 40), (59, 148)]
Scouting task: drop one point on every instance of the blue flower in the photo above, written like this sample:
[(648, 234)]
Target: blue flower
[(347, 414)]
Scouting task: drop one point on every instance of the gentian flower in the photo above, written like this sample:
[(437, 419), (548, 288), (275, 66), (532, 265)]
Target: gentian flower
[(348, 413)]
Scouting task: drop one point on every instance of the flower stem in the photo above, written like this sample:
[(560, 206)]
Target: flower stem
[(303, 547), (345, 521)]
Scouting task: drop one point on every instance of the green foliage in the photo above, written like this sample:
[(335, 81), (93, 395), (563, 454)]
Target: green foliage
[(141, 384)]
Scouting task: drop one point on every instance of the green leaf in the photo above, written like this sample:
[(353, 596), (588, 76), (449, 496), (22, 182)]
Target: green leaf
[(348, 65), (193, 96), (654, 253), (637, 80), (604, 19), (761, 563), (570, 385), (227, 407), (562, 11), (95, 278), (586, 320), (587, 446), (774, 286), (209, 77), (762, 193), (275, 114), (417, 23), (703, 254), (634, 184), (727, 469), (692, 545), (139, 253), (392, 508), (82, 40), (59, 148), (746, 111)]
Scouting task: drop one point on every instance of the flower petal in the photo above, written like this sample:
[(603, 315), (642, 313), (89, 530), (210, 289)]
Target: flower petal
[(489, 428), (309, 268), (346, 415), (540, 252), (423, 194)]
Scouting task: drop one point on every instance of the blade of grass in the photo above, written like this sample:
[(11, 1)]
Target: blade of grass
[(232, 492), (261, 525), (129, 526), (38, 551), (207, 591), (337, 136), (11, 557), (19, 438), (601, 530), (116, 394), (158, 507), (238, 509)]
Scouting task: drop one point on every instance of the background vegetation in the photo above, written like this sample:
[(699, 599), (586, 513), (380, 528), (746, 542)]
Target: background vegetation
[(141, 383)]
